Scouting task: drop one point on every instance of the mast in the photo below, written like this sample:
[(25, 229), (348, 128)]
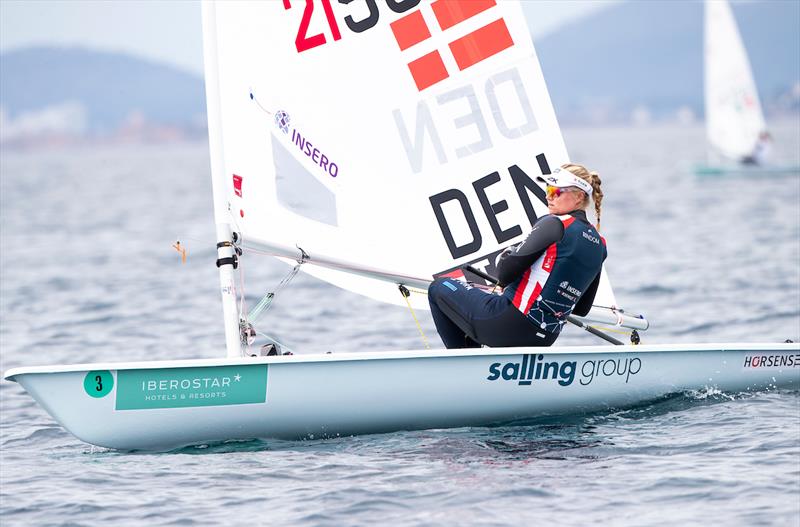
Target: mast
[(226, 253)]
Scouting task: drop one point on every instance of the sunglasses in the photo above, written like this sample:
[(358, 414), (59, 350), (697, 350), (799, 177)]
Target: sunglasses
[(554, 192)]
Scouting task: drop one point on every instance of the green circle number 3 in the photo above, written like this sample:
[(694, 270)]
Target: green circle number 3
[(98, 383)]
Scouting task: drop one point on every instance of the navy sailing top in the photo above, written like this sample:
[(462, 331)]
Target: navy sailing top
[(555, 271)]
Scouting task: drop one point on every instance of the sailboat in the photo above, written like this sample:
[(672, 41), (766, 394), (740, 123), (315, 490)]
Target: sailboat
[(377, 146), (735, 126)]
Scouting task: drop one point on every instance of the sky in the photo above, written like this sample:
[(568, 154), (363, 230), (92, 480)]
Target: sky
[(170, 31)]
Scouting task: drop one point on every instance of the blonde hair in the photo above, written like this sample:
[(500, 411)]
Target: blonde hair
[(594, 180)]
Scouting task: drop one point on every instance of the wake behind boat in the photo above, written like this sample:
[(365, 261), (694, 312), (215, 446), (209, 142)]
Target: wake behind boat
[(378, 151)]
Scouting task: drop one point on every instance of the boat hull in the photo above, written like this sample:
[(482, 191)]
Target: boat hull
[(167, 404), (744, 170)]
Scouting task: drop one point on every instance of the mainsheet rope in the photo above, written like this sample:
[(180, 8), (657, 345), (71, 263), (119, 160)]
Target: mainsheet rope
[(406, 294)]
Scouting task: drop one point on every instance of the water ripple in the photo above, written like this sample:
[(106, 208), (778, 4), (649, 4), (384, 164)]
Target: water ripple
[(112, 289)]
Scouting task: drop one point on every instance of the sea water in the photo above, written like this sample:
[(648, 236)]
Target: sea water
[(88, 273)]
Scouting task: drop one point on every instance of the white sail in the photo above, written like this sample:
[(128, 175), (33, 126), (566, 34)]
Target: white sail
[(384, 139), (733, 112)]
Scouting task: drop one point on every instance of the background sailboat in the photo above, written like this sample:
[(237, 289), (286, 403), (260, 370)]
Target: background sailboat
[(433, 162), (735, 126)]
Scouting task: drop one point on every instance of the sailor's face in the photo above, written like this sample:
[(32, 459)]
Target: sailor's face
[(564, 201)]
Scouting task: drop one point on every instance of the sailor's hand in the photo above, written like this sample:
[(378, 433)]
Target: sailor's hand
[(511, 249)]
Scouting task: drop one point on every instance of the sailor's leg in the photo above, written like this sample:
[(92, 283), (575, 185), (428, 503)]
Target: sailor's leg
[(466, 316), (504, 326), (448, 301)]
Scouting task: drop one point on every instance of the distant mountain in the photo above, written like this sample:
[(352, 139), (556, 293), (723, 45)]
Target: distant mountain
[(642, 58), (104, 91), (649, 54)]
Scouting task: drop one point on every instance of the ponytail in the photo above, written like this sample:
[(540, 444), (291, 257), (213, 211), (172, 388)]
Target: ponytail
[(594, 180), (597, 194)]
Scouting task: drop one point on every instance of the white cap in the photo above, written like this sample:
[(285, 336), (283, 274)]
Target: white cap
[(563, 178)]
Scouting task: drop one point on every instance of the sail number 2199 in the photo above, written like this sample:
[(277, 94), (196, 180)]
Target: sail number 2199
[(303, 42)]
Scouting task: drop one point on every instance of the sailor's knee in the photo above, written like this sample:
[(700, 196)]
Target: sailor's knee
[(437, 287), (433, 290)]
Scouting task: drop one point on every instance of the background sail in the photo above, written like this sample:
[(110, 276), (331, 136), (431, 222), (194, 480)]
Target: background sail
[(733, 111), (396, 135)]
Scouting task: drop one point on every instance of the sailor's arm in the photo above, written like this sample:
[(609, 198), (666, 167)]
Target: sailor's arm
[(587, 299), (515, 261)]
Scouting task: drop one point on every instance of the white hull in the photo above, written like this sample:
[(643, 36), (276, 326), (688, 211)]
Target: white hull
[(167, 404), (733, 169)]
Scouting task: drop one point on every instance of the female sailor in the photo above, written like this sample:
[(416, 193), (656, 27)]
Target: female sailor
[(761, 150), (555, 272)]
